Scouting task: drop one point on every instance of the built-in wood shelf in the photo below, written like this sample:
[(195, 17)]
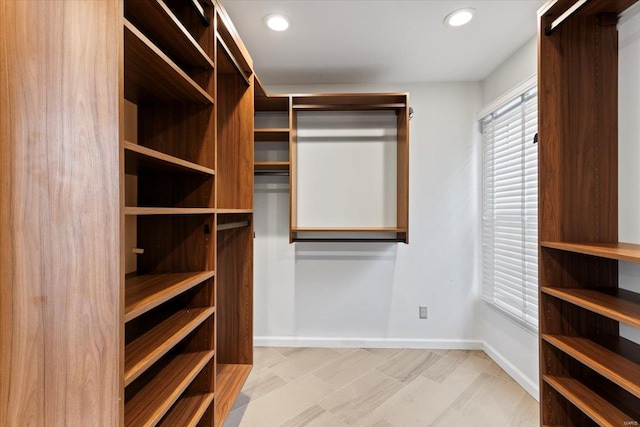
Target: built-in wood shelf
[(150, 347), (188, 411), (617, 304), (150, 404), (612, 365), (159, 23), (584, 398), (348, 230), (232, 225), (140, 158), (150, 76), (146, 291), (132, 211), (271, 166), (620, 251), (271, 135), (233, 211), (230, 379), (349, 107)]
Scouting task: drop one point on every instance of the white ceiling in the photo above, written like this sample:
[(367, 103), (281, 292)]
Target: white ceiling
[(381, 41)]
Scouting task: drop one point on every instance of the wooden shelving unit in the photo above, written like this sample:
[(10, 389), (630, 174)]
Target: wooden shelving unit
[(138, 317), (589, 375), (598, 409), (230, 381), (618, 251), (366, 102), (144, 292), (147, 349), (192, 162), (151, 403), (131, 210), (617, 304), (611, 365), (188, 411), (150, 75), (161, 25), (271, 166), (139, 158), (271, 135)]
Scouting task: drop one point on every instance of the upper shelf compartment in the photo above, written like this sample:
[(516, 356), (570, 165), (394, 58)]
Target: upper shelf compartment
[(155, 19), (620, 251), (150, 76), (356, 102), (235, 58)]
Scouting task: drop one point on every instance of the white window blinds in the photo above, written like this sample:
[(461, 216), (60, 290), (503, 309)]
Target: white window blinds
[(510, 208)]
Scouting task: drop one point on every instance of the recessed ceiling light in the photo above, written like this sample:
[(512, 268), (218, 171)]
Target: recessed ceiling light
[(459, 17), (276, 22)]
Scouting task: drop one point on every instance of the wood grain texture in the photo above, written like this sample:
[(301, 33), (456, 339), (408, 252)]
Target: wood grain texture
[(227, 32), (60, 284), (578, 188), (234, 285), (619, 251), (293, 171), (230, 379), (234, 143), (268, 102), (147, 349), (144, 292), (188, 411), (160, 25), (271, 135), (594, 406), (232, 211), (183, 131), (609, 364), (348, 230), (349, 107), (151, 76), (402, 171), (133, 210), (616, 304), (142, 159), (271, 166), (149, 405), (171, 190)]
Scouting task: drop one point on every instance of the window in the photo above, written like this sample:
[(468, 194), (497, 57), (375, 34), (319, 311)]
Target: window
[(510, 208)]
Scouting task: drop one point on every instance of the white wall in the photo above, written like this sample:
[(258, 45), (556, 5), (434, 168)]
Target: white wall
[(521, 65), (511, 345), (629, 151), (367, 294)]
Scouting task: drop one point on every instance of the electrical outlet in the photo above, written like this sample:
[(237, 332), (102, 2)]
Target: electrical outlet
[(423, 311)]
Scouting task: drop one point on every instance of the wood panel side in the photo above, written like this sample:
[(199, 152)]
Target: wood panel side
[(577, 184), (293, 170), (234, 281), (402, 170), (60, 215), (234, 162)]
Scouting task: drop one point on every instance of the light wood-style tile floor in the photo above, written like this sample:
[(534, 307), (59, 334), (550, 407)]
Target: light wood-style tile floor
[(327, 387)]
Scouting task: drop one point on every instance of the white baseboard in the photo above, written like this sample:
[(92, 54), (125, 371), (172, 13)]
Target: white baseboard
[(427, 344), (527, 383), (288, 341)]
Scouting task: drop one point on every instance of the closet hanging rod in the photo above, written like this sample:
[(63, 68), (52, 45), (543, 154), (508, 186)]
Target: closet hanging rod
[(231, 225), (565, 16), (233, 60)]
